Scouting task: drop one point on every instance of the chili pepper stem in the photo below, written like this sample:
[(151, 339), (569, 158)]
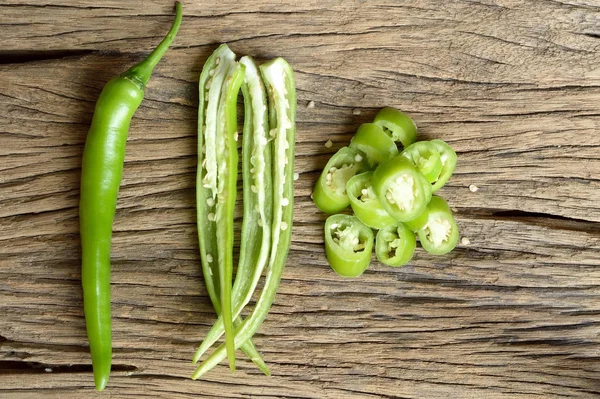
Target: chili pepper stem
[(140, 73)]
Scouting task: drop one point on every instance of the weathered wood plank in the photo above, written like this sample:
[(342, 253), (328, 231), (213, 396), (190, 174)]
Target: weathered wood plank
[(512, 85)]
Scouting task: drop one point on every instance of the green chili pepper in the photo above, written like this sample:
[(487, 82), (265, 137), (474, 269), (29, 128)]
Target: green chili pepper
[(101, 172), (402, 190), (330, 191), (365, 204), (448, 158), (348, 245), (440, 234), (256, 225), (397, 125), (395, 245), (371, 140), (213, 97), (426, 157), (279, 80)]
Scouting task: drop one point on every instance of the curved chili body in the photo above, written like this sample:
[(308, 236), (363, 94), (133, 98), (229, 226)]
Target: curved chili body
[(101, 171), (100, 177)]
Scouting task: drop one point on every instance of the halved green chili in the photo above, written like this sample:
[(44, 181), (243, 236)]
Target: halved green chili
[(365, 204), (348, 245), (101, 172), (399, 126), (395, 245), (440, 234), (279, 79), (371, 140), (402, 190), (211, 85), (257, 189), (330, 191)]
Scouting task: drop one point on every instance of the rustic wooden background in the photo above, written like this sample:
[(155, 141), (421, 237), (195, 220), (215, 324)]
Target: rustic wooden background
[(513, 85)]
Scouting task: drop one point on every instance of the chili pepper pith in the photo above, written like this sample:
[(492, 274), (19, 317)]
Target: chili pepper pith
[(101, 172)]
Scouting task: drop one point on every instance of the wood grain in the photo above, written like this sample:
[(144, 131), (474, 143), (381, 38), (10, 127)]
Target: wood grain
[(512, 85)]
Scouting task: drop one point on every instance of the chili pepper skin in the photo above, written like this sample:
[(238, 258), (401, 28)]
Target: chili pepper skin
[(365, 204), (101, 171), (398, 125), (348, 245), (279, 81), (371, 140), (395, 245), (440, 234), (330, 191), (426, 157), (402, 190)]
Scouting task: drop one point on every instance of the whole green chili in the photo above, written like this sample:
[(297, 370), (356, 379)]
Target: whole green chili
[(101, 171)]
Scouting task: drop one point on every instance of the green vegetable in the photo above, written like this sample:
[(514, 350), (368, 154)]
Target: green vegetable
[(395, 245), (397, 125), (425, 156), (279, 80), (101, 172), (371, 141), (256, 225), (448, 158), (440, 234), (348, 245), (330, 191), (365, 204), (402, 190), (217, 144)]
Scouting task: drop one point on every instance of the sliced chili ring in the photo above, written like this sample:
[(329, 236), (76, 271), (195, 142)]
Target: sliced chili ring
[(330, 191), (448, 158), (374, 143), (440, 233), (365, 204), (348, 245), (426, 157), (399, 126), (395, 245), (402, 190)]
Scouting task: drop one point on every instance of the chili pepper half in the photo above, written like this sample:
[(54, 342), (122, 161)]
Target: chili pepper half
[(397, 125), (402, 190), (395, 245), (348, 245), (365, 204), (279, 81), (440, 234), (330, 191), (101, 171), (371, 140)]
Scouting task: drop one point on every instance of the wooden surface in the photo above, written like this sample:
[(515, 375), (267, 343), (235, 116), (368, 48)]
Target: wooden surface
[(512, 85)]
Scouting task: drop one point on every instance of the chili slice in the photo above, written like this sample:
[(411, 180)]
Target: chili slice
[(348, 245), (448, 158), (395, 245), (399, 126), (371, 140), (440, 234), (365, 204), (426, 157), (402, 190), (330, 191)]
